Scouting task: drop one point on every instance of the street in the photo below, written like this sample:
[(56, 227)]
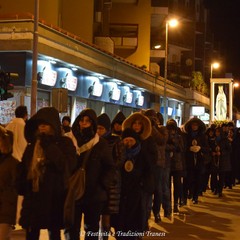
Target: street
[(212, 219)]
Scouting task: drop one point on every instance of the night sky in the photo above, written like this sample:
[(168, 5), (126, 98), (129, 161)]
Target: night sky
[(225, 24)]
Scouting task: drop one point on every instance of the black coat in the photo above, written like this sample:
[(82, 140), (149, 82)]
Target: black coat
[(99, 173), (196, 160), (44, 208), (114, 192), (224, 158), (8, 192), (175, 148), (130, 215)]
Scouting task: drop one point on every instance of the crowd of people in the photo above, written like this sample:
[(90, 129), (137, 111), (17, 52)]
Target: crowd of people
[(130, 165)]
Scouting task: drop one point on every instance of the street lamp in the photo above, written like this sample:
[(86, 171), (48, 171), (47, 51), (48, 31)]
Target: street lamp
[(171, 23), (214, 65), (235, 85)]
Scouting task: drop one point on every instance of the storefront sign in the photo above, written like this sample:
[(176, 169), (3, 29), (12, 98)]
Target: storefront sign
[(48, 77), (114, 94), (96, 89), (198, 110), (71, 83), (140, 100), (127, 98)]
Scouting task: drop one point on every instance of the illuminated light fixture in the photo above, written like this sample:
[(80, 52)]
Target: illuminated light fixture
[(96, 89), (236, 85), (214, 65), (157, 46), (141, 89), (173, 22), (99, 76), (117, 81), (51, 60), (74, 69), (170, 111)]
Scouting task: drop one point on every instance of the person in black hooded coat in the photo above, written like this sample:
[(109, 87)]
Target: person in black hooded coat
[(99, 169), (47, 162), (197, 153)]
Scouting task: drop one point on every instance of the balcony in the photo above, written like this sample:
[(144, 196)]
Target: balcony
[(125, 38)]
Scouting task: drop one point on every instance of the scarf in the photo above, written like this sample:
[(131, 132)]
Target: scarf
[(132, 152), (218, 139), (36, 170), (88, 145), (85, 135), (194, 134)]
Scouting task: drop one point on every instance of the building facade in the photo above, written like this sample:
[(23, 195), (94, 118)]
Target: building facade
[(109, 44)]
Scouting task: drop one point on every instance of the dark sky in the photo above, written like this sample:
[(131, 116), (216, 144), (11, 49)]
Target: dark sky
[(225, 24)]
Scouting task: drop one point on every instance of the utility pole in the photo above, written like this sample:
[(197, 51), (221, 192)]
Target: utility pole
[(35, 59)]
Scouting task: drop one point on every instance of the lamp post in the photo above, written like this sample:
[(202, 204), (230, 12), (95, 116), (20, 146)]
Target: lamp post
[(235, 85), (34, 59), (214, 65), (171, 23)]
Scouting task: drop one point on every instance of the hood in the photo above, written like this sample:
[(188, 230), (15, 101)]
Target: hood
[(147, 128), (104, 120), (119, 118), (152, 115), (86, 112), (187, 125), (49, 115), (171, 124)]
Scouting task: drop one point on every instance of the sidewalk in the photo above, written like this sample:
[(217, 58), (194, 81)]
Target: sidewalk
[(212, 219)]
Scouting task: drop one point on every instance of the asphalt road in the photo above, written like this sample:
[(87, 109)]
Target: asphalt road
[(212, 219)]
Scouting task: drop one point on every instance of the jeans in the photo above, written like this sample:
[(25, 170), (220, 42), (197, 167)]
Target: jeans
[(162, 191)]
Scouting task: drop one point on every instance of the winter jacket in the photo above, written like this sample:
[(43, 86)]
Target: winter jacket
[(99, 166), (148, 149), (175, 148), (196, 160), (114, 192), (225, 149), (161, 138), (44, 208), (8, 192)]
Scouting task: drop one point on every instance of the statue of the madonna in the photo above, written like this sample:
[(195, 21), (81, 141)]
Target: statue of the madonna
[(221, 104)]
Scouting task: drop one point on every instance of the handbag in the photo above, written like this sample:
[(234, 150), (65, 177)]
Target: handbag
[(76, 189)]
